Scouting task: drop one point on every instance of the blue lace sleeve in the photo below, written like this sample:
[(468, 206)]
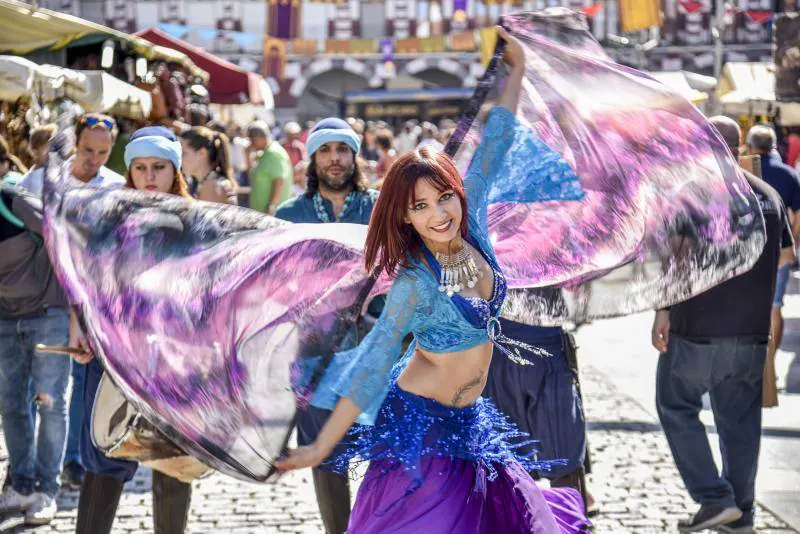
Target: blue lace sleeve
[(363, 374), (512, 164)]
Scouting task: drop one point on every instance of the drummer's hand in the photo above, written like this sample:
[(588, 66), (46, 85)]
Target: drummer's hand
[(513, 55), (78, 341), (307, 456), (83, 357)]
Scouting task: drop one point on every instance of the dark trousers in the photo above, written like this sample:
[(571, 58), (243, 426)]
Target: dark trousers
[(333, 499), (731, 371), (171, 497), (94, 459), (542, 399), (333, 490)]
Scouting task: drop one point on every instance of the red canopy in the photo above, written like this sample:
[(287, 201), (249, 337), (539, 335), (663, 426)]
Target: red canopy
[(228, 84)]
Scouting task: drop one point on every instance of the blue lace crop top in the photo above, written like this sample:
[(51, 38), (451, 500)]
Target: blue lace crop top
[(476, 311), (414, 304)]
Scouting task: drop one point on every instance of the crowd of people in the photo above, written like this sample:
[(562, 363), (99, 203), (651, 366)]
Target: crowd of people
[(343, 170), (295, 174)]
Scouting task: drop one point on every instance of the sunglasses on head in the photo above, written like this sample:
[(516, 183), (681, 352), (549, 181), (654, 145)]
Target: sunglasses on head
[(94, 121)]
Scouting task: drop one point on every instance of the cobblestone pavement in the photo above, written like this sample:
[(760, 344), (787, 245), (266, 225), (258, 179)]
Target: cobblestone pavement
[(634, 478), (634, 481)]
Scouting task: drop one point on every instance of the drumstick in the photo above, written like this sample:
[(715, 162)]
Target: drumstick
[(59, 350)]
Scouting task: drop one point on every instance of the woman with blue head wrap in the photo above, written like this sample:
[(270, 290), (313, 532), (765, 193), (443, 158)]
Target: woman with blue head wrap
[(153, 159)]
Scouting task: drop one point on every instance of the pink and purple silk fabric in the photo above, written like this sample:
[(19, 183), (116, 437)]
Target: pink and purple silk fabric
[(199, 312)]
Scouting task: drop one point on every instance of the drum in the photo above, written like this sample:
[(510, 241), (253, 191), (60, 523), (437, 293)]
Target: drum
[(121, 432)]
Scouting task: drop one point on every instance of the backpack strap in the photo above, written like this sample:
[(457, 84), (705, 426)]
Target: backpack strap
[(9, 216)]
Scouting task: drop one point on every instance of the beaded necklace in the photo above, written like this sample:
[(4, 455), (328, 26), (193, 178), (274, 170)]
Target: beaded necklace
[(322, 213)]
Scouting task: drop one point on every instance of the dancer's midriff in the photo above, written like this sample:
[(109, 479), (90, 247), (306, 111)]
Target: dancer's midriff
[(451, 378)]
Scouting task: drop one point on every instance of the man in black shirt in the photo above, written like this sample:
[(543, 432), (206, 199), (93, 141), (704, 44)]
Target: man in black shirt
[(716, 343), (762, 141)]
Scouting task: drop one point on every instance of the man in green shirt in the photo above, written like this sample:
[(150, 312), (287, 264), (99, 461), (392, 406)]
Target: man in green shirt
[(271, 177)]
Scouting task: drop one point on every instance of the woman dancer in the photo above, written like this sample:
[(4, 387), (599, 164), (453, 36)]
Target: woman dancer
[(236, 306), (207, 160), (442, 458), (153, 158)]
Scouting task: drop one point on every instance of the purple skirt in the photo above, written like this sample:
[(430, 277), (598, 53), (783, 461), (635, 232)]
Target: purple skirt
[(456, 497)]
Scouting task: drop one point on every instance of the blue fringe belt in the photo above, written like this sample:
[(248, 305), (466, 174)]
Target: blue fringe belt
[(410, 427)]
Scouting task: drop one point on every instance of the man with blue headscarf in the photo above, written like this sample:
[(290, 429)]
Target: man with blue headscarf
[(336, 191)]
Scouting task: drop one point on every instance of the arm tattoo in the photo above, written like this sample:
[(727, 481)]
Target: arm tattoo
[(466, 387)]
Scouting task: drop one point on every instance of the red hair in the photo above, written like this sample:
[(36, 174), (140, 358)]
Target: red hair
[(390, 240)]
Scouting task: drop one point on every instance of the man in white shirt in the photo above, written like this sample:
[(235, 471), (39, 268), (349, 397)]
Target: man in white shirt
[(35, 476), (95, 135)]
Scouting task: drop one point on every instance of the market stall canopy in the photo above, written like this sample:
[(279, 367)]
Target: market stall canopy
[(748, 88), (25, 28), (93, 90), (99, 91), (17, 77), (228, 83), (678, 81), (242, 114)]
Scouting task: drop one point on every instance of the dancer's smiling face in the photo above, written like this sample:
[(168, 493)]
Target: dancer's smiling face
[(435, 214)]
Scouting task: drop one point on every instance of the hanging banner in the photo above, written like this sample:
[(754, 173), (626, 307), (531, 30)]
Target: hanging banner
[(363, 46), (691, 6), (207, 34), (387, 50), (386, 69), (460, 20), (243, 40), (759, 17), (592, 10), (175, 30), (432, 45), (635, 15), (283, 18), (274, 57), (462, 42), (488, 42), (304, 47), (337, 46), (408, 46)]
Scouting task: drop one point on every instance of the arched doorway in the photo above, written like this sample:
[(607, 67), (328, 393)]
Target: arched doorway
[(434, 77), (324, 93)]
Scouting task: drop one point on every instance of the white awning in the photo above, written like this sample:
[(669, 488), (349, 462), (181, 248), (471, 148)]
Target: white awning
[(16, 77), (748, 88), (677, 81), (25, 28), (104, 93), (93, 90)]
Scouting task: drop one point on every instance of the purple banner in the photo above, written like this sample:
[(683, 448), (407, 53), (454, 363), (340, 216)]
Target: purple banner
[(282, 21), (387, 50), (460, 19)]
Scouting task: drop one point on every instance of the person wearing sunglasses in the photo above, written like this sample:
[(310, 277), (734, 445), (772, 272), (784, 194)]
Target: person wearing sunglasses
[(34, 310), (95, 135)]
